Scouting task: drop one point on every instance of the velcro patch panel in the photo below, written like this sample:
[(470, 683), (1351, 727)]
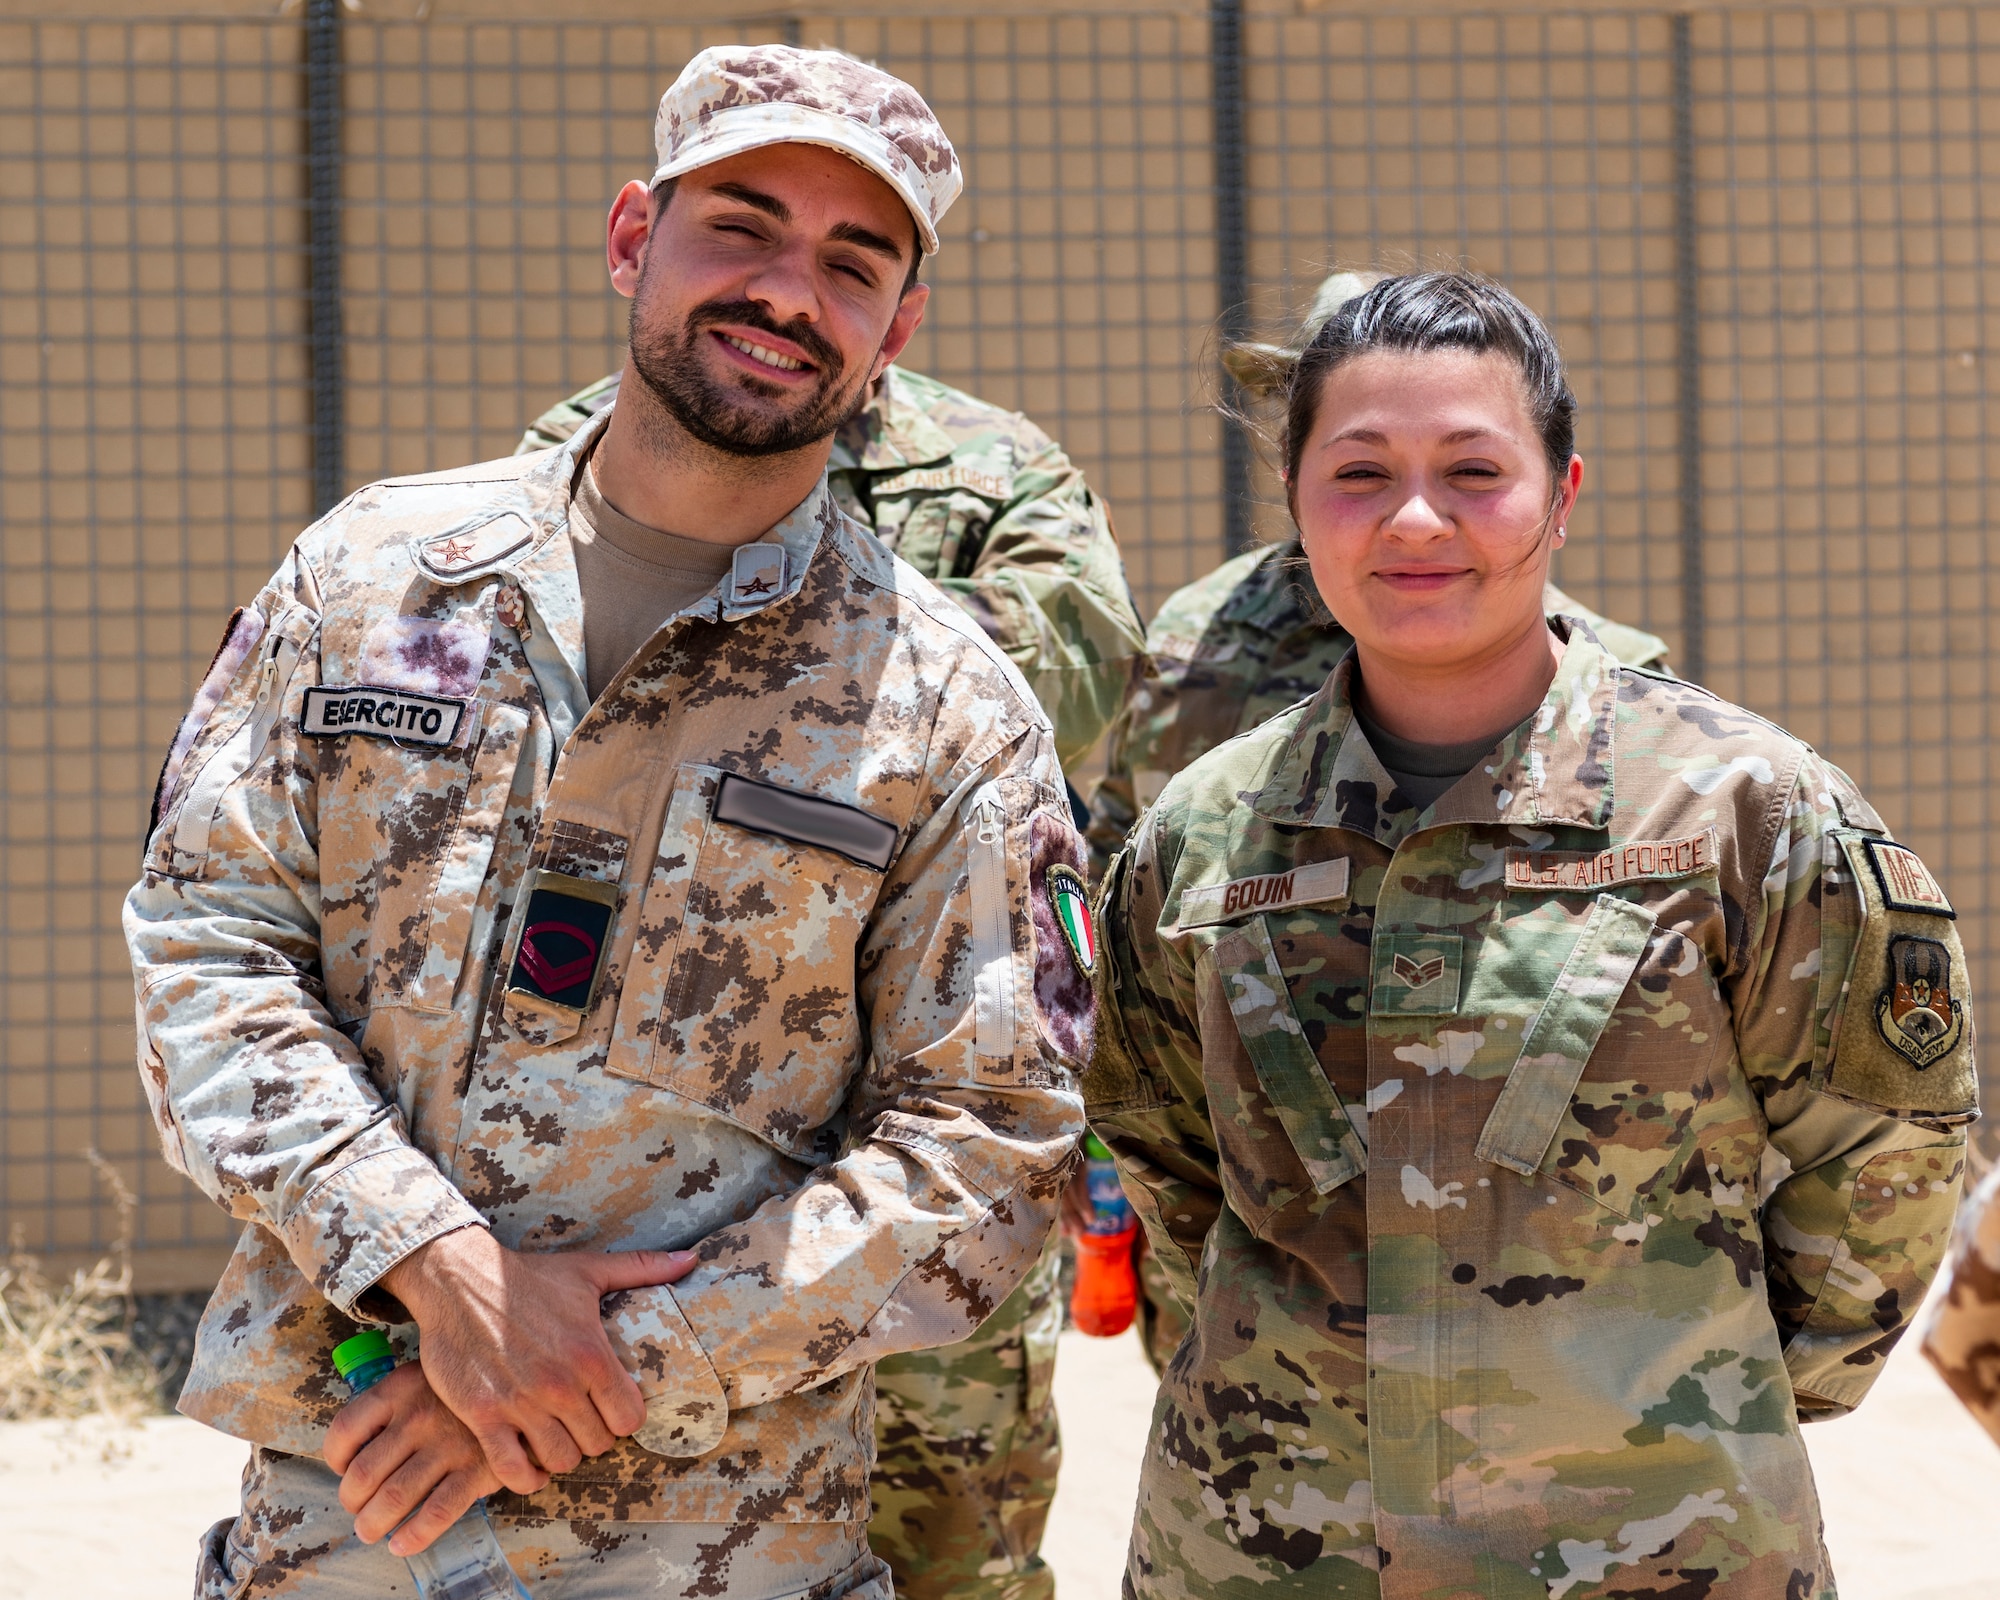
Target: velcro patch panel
[(805, 819), (399, 714), (1636, 861)]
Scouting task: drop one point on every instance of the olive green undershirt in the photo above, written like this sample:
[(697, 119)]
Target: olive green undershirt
[(1425, 771), (632, 578)]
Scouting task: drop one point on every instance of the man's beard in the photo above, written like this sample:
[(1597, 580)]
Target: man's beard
[(703, 404)]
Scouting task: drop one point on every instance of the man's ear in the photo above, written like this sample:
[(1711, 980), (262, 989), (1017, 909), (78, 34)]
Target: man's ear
[(909, 315), (626, 231)]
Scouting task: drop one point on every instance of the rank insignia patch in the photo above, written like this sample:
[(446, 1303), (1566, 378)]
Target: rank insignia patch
[(1072, 908), (564, 933), (1917, 1013)]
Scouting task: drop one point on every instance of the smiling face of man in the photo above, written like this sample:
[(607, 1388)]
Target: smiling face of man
[(774, 288)]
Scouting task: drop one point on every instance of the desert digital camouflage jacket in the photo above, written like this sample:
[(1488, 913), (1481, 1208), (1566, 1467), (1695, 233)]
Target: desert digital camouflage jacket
[(754, 955), (987, 506), (1533, 1163), (1234, 649)]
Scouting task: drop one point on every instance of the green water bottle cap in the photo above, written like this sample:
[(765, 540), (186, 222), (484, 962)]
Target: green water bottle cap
[(351, 1354)]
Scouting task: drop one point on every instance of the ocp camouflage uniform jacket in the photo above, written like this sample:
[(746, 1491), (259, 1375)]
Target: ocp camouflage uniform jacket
[(1531, 1162), (1234, 649), (987, 506), (832, 1044)]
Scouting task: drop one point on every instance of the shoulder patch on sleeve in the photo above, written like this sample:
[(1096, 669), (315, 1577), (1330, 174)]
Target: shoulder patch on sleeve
[(1900, 1032)]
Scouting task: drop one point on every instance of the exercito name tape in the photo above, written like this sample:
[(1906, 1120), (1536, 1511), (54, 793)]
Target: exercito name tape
[(398, 714), (1271, 891), (1637, 861)]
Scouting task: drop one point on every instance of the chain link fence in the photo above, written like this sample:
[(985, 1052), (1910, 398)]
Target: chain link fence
[(1763, 238)]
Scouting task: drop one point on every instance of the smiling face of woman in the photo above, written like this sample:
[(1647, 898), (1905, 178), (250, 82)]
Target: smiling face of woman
[(1425, 502)]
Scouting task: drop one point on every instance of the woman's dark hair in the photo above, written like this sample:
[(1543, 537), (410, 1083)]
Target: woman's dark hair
[(1421, 311)]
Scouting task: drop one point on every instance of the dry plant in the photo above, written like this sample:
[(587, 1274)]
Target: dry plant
[(64, 1348)]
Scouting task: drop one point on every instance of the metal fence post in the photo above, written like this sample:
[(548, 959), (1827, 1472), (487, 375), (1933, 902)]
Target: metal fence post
[(1693, 662), (1232, 255), (323, 324)]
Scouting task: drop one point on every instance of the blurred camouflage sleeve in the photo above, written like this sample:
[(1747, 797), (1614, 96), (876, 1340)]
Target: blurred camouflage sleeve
[(258, 1096), (557, 424), (1114, 799), (1144, 1092), (1962, 1323), (1866, 1145), (962, 1127), (1048, 586)]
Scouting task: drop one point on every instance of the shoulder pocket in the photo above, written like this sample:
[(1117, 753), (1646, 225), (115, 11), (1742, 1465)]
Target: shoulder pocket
[(1306, 1105), (1558, 1043), (1897, 1034), (228, 745)]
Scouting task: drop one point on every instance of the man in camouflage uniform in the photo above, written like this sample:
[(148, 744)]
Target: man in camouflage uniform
[(745, 964), (1543, 1157), (1230, 651), (988, 506)]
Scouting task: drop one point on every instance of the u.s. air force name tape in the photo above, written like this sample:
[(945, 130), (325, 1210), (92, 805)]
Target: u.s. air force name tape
[(1639, 861), (398, 714)]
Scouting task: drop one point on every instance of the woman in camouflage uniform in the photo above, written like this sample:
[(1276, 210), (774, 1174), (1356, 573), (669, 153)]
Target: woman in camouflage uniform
[(1543, 1080)]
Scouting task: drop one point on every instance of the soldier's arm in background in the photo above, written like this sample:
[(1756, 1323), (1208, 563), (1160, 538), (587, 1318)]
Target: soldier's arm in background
[(1144, 1094), (1961, 1331), (258, 1094), (555, 425), (961, 1129), (1048, 586), (1867, 1149)]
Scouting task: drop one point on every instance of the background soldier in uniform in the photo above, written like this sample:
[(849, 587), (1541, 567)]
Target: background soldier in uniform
[(1545, 1081), (532, 882), (988, 506)]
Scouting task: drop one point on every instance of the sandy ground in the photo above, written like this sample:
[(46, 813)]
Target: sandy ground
[(1909, 1483)]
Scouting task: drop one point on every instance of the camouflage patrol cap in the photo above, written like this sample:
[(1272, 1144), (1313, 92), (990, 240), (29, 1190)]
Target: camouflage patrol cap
[(1264, 368), (738, 97)]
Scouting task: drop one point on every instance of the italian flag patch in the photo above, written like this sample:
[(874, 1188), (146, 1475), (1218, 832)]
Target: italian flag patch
[(1072, 907)]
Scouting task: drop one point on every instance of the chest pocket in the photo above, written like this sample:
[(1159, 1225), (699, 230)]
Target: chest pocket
[(741, 990), (1292, 1090), (1536, 1102), (444, 922)]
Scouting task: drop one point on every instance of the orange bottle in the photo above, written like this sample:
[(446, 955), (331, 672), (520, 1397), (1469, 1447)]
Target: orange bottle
[(1107, 1289)]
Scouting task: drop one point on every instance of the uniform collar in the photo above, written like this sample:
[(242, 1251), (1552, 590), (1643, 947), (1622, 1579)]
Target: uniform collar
[(1553, 770), (518, 531), (890, 433)]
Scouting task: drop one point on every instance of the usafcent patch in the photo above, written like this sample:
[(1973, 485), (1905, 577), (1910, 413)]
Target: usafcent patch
[(1900, 1028)]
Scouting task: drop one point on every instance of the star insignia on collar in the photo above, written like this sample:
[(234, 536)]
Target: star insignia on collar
[(451, 552), (758, 586)]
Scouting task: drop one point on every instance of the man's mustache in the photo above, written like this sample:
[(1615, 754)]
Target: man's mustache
[(748, 314)]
